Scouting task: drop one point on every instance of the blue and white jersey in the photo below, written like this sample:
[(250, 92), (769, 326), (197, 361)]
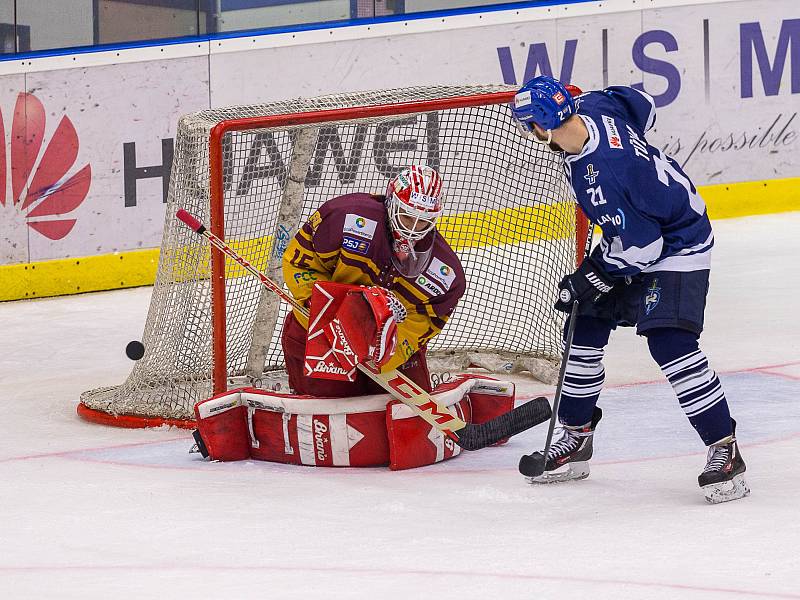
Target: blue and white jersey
[(651, 215)]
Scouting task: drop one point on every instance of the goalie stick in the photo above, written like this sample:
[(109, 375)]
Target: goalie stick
[(469, 436)]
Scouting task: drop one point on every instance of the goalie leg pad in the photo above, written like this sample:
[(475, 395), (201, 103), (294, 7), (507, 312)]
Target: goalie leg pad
[(222, 425), (491, 399), (334, 432)]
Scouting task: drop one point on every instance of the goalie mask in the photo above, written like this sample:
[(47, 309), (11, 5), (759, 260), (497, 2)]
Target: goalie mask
[(413, 203)]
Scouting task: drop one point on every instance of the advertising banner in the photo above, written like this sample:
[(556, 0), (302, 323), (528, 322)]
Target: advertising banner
[(725, 76), (87, 151)]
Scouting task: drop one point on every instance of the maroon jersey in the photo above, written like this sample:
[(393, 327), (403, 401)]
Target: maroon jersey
[(348, 241)]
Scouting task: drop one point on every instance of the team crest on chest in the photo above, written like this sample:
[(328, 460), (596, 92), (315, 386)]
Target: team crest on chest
[(652, 296), (591, 175)]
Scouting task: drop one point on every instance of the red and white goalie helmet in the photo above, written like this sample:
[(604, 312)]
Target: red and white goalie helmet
[(414, 202)]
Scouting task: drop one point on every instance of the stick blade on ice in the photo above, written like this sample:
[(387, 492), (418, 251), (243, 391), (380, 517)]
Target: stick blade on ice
[(532, 465)]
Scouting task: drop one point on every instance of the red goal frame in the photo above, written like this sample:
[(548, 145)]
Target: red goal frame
[(216, 191)]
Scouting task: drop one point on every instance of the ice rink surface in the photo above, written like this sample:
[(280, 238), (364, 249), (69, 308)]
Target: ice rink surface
[(96, 512)]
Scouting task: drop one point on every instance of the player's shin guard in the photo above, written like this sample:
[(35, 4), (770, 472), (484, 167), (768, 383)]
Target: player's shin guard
[(697, 386), (585, 375)]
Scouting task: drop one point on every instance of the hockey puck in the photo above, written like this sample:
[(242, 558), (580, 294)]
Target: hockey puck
[(532, 465), (134, 350)]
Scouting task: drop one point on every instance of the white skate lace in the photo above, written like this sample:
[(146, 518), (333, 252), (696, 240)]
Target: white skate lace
[(717, 457), (569, 441)]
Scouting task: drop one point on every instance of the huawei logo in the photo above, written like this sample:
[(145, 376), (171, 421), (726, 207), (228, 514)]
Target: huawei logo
[(38, 185)]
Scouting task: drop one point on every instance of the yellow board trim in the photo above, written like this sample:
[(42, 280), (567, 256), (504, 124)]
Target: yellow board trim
[(136, 268), (509, 225), (78, 275), (729, 200)]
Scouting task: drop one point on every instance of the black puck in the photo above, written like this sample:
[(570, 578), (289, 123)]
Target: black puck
[(134, 350), (532, 465)]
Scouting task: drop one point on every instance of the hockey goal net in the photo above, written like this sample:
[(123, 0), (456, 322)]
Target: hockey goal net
[(256, 173)]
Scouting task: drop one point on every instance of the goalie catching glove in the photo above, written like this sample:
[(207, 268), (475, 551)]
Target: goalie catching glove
[(369, 317), (349, 325), (586, 284)]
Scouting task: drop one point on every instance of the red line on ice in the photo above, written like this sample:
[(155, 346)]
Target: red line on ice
[(75, 453), (395, 571)]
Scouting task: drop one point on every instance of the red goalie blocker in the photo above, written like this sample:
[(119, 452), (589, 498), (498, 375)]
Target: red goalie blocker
[(347, 325)]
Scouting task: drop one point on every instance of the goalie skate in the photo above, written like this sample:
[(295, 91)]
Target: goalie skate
[(568, 457)]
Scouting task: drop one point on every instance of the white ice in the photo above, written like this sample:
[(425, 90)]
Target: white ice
[(97, 512)]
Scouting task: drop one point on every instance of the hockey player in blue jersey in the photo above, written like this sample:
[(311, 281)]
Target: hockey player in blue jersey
[(650, 269)]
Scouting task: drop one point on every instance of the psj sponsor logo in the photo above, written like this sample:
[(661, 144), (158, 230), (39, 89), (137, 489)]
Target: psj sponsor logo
[(355, 245), (612, 133), (441, 273)]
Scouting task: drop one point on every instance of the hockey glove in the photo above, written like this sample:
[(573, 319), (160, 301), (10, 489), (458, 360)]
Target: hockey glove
[(586, 284), (369, 317)]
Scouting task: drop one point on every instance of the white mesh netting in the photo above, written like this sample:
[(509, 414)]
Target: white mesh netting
[(509, 215)]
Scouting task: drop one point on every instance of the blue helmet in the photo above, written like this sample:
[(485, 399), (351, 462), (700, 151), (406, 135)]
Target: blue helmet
[(544, 101)]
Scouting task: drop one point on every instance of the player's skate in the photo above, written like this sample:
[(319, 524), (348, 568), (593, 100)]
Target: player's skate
[(723, 478), (568, 457)]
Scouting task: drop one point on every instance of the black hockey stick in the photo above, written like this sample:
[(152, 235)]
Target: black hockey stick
[(469, 436), (532, 465), (517, 420)]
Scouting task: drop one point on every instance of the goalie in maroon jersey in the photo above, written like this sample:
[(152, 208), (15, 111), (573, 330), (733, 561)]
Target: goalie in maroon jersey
[(380, 282)]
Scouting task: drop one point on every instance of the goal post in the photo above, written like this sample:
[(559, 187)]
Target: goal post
[(254, 174)]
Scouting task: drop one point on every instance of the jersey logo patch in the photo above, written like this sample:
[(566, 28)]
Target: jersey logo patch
[(360, 226), (652, 296), (612, 133), (429, 286), (591, 175), (441, 273), (355, 245)]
